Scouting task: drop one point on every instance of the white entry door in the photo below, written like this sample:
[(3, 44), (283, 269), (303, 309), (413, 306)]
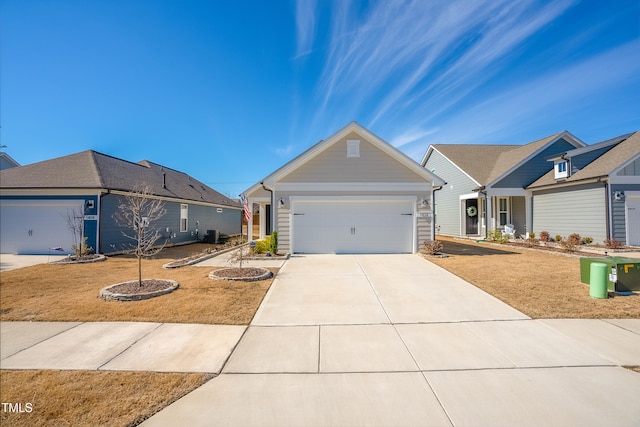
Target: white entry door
[(632, 218), (353, 226)]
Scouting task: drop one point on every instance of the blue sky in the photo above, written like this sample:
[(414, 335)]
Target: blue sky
[(228, 91)]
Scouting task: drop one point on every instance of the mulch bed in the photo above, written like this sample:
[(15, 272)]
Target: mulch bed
[(245, 273), (133, 287)]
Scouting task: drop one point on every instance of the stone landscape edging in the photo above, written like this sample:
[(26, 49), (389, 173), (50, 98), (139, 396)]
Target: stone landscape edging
[(107, 295)]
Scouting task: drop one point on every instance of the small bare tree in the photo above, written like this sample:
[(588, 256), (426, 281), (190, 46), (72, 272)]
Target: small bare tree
[(75, 223), (137, 213)]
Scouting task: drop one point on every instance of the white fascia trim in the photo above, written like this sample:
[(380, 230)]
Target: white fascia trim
[(506, 192), (50, 192), (614, 179), (457, 167), (354, 186), (613, 174), (470, 196)]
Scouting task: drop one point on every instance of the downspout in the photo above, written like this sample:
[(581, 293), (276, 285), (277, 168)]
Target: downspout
[(608, 210), (273, 216), (433, 209)]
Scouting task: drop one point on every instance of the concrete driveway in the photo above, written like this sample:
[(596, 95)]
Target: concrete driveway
[(381, 340), (12, 261)]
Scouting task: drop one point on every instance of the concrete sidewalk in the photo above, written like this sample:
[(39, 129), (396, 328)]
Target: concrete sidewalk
[(339, 340)]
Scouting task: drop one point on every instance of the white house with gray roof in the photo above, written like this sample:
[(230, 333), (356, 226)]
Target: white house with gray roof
[(350, 193), (35, 199)]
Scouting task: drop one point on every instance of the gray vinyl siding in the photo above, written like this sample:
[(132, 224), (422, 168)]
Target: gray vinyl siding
[(447, 200), (201, 218), (576, 209), (632, 169), (534, 168), (618, 209), (333, 165)]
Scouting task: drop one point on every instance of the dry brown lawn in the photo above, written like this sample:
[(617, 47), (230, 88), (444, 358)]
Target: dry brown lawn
[(49, 292), (90, 398), (540, 284)]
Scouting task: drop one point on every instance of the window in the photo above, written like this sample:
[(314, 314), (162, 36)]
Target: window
[(503, 211), (561, 170), (184, 217), (353, 148)]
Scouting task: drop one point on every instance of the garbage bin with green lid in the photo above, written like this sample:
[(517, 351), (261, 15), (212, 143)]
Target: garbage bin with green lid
[(598, 280)]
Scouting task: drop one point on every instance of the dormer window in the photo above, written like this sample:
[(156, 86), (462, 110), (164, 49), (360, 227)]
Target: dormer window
[(561, 169)]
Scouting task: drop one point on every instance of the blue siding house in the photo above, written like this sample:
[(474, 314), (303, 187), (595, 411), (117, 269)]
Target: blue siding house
[(36, 199)]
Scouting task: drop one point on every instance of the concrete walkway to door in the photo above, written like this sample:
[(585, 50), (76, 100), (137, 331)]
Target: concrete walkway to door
[(380, 340)]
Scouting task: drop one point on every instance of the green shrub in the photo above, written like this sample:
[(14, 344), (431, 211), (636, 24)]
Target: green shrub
[(83, 249), (496, 236), (262, 246), (532, 235), (544, 236), (274, 243), (558, 238), (587, 240)]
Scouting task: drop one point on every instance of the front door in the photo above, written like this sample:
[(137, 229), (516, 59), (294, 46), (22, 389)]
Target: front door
[(471, 214), (632, 205)]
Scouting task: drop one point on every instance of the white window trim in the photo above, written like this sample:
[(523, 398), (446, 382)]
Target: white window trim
[(559, 174), (506, 211), (184, 208)]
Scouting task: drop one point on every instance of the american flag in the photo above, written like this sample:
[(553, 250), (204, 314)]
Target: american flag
[(247, 209)]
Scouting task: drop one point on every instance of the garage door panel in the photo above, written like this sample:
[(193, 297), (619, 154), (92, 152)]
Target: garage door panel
[(348, 226), (33, 227)]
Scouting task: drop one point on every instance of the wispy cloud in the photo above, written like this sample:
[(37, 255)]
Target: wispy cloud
[(284, 151), (400, 57), (305, 26)]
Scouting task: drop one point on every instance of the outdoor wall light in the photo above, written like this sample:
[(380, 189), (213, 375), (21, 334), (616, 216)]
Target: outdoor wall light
[(618, 195), (424, 202), (281, 202)]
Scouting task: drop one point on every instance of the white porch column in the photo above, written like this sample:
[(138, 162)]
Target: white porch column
[(489, 208), (263, 220), (528, 214), (250, 223)]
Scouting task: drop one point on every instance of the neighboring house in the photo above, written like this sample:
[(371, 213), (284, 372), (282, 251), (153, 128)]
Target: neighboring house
[(6, 162), (486, 184), (350, 193), (593, 191), (35, 200)]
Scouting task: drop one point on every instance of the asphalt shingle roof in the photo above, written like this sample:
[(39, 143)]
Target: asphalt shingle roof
[(485, 162), (92, 170), (602, 166)]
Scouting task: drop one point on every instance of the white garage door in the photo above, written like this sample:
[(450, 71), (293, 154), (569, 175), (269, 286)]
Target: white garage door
[(35, 226), (353, 226)]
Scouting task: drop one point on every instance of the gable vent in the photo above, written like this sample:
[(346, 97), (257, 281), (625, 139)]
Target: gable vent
[(353, 148)]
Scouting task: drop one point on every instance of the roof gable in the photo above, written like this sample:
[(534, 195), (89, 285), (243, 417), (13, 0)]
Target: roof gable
[(613, 159), (489, 163), (321, 152)]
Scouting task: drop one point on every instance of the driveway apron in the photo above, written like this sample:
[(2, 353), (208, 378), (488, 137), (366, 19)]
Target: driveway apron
[(382, 340)]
